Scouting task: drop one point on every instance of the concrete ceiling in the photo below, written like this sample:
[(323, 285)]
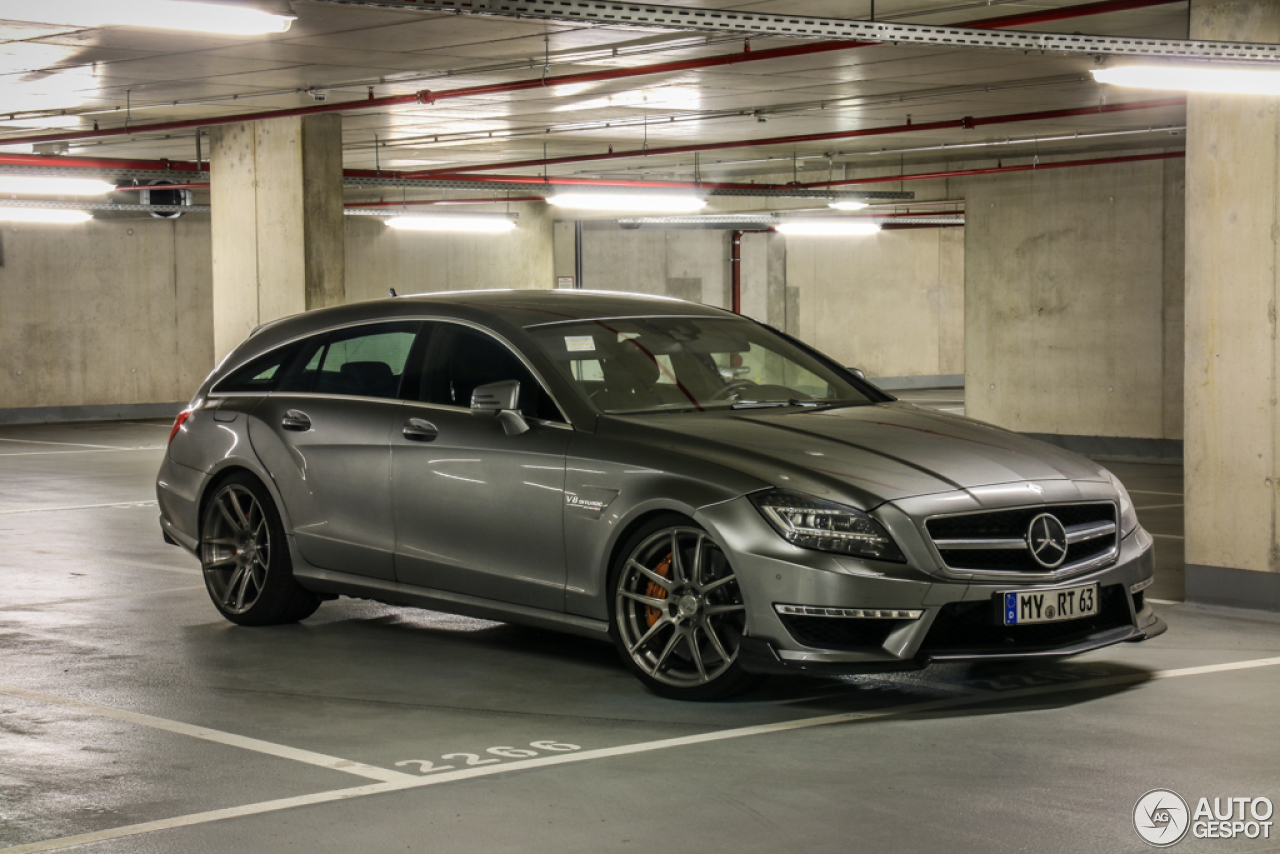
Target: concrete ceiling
[(99, 75)]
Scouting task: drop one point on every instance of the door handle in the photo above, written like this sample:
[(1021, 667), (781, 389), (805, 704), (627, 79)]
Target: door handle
[(420, 431), (296, 420)]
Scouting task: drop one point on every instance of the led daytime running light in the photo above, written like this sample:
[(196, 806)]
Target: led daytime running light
[(848, 613)]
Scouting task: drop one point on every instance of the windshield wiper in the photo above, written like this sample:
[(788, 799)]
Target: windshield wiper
[(840, 404), (769, 404)]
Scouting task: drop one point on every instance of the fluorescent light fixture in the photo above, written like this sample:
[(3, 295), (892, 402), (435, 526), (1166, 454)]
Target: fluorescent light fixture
[(34, 185), (646, 202), (1235, 80), (152, 14), (478, 223), (828, 227), (55, 91), (48, 215), (848, 206)]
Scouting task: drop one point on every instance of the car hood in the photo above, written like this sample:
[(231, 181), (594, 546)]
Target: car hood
[(870, 453)]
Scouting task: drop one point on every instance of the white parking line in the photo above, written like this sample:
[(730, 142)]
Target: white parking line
[(610, 752), (134, 595), (1165, 601), (97, 558), (62, 444), (333, 763), (88, 451), (81, 507), (1158, 507), (1168, 536)]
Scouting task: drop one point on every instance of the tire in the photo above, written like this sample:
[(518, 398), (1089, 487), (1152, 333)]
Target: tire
[(245, 560), (676, 613)]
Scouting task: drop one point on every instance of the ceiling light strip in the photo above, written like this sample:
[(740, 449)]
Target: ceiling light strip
[(365, 179), (614, 13)]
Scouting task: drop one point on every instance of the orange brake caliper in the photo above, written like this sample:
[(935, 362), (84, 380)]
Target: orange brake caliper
[(656, 591)]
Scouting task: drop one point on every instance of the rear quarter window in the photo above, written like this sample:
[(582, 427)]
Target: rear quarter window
[(261, 374)]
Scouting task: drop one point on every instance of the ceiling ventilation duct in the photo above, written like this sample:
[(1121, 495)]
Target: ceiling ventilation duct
[(175, 198)]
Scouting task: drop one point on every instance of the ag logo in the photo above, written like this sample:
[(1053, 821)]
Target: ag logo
[(1161, 817)]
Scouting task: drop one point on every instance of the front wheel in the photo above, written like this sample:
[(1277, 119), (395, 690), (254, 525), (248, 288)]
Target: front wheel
[(245, 558), (678, 614)]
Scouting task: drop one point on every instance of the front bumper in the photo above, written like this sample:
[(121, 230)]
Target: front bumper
[(957, 618)]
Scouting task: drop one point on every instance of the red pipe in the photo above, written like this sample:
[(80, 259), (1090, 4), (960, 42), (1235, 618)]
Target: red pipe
[(446, 202), (999, 170), (735, 268), (950, 124), (81, 163), (602, 182), (1065, 14), (137, 188), (427, 97), (97, 162)]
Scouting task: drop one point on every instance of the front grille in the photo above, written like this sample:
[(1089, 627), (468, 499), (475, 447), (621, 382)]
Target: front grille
[(964, 627), (996, 540), (838, 632)]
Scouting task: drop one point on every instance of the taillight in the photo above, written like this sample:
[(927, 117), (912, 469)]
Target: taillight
[(178, 422)]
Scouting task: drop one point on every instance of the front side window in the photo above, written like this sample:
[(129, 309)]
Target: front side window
[(460, 359), (363, 361), (672, 364)]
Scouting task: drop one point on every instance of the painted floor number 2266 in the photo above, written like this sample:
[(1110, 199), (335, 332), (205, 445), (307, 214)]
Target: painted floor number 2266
[(470, 760)]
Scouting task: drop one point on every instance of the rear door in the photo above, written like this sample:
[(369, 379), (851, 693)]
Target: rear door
[(324, 436), (477, 511)]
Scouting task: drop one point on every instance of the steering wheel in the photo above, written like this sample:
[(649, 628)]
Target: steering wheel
[(723, 392)]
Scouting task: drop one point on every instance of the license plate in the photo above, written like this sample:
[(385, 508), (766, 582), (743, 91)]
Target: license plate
[(1050, 606)]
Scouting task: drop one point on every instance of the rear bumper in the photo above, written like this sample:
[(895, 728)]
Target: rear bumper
[(178, 490)]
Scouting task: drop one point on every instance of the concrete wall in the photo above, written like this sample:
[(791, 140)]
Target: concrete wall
[(687, 264), (117, 310), (120, 311), (1074, 295), (379, 257), (891, 304)]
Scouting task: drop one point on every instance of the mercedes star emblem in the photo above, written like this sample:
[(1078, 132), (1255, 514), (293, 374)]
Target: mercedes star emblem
[(1047, 539)]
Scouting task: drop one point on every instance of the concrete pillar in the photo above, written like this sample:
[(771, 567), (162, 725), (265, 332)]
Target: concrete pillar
[(1232, 363), (277, 222)]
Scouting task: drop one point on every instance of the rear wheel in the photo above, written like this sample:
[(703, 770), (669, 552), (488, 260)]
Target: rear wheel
[(245, 558), (678, 614)]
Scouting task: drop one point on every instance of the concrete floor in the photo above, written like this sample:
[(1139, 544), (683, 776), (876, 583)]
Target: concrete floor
[(134, 719)]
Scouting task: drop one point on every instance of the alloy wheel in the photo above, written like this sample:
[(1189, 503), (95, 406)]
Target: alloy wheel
[(235, 548), (679, 609)]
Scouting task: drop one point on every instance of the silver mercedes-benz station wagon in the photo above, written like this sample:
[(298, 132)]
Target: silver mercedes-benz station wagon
[(714, 496)]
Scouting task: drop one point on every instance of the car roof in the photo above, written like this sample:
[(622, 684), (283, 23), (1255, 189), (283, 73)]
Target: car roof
[(527, 308), (518, 309)]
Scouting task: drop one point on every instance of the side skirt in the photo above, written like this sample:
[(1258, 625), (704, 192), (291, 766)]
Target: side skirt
[(326, 581)]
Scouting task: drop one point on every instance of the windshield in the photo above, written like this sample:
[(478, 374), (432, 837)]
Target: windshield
[(677, 363)]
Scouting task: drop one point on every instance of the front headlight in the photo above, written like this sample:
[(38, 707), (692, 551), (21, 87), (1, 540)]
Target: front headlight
[(812, 523), (1128, 515)]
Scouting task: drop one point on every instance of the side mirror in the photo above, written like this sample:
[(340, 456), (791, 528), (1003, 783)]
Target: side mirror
[(857, 372), (501, 399)]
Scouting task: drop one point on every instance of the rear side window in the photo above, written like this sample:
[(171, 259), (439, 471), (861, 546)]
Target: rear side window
[(366, 361), (260, 375)]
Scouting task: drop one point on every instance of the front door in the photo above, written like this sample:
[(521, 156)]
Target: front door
[(324, 435), (477, 511)]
